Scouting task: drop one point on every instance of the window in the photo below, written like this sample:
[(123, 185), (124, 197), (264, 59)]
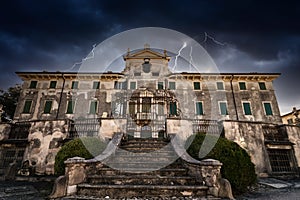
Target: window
[(197, 86), (223, 108), (70, 107), (96, 84), (132, 85), (137, 73), (146, 105), (155, 73), (242, 85), (120, 85), (199, 108), (220, 86), (172, 85), (160, 85), (247, 108), (48, 106), (268, 109), (262, 86), (27, 106), (52, 84), (93, 107), (290, 121), (74, 85), (173, 108), (33, 84)]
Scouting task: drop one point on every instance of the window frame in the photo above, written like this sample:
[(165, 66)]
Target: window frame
[(130, 84), (162, 85), (199, 85), (73, 107), (33, 84), (171, 83), (30, 106), (96, 85), (250, 107), (202, 108), (52, 84), (271, 107), (240, 88), (170, 110), (90, 107), (50, 108), (264, 85), (217, 85), (220, 110), (75, 85)]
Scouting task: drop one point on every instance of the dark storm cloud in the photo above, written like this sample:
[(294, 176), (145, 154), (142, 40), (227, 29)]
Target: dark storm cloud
[(53, 35)]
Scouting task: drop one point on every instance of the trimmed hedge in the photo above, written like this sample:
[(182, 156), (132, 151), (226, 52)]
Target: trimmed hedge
[(237, 166), (77, 147)]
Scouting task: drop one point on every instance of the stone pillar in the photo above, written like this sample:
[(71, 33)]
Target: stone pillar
[(75, 172), (210, 172)]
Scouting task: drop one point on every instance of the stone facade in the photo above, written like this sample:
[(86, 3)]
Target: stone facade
[(146, 99)]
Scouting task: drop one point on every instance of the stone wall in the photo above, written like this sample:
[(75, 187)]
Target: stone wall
[(250, 137), (293, 133), (4, 131), (45, 140)]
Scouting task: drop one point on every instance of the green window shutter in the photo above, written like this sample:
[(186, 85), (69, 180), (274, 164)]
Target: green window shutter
[(47, 108), (197, 86), (199, 108), (172, 85), (160, 85), (268, 109), (52, 84), (33, 84), (132, 85), (70, 108), (173, 108), (96, 85), (27, 106), (242, 85), (74, 85), (247, 109), (220, 86), (93, 107), (223, 108), (262, 86)]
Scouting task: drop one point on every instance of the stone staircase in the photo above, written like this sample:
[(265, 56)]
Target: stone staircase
[(141, 168)]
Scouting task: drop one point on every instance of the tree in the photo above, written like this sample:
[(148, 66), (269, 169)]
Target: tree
[(9, 100)]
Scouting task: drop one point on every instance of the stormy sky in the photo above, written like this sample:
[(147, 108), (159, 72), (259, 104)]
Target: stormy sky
[(252, 36)]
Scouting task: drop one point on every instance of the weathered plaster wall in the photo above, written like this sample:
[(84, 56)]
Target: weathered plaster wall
[(45, 139), (111, 126), (294, 137), (183, 128), (250, 137)]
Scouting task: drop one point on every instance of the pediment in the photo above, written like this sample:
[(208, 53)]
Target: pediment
[(145, 53)]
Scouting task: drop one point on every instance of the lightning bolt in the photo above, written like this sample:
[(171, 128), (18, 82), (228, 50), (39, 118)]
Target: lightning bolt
[(191, 63), (206, 36), (84, 59), (176, 57)]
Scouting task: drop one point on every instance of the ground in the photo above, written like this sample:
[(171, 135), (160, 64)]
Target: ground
[(266, 189)]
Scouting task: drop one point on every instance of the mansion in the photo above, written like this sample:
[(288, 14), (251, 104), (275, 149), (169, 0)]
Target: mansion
[(147, 100)]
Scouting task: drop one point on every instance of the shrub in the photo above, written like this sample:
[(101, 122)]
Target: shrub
[(77, 147), (237, 166)]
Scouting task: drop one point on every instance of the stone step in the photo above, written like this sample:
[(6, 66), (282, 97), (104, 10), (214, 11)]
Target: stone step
[(150, 171), (131, 191), (141, 159), (157, 153), (142, 179)]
